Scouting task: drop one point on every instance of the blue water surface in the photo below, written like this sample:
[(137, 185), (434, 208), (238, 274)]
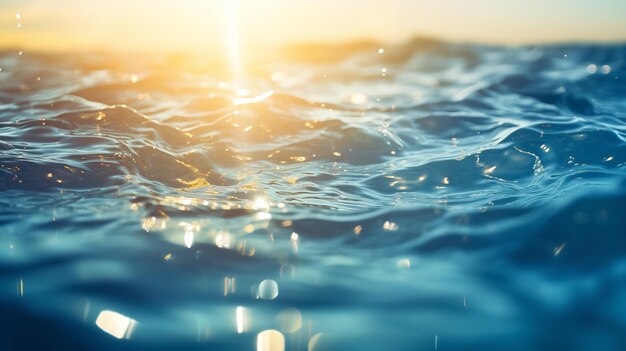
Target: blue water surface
[(430, 196)]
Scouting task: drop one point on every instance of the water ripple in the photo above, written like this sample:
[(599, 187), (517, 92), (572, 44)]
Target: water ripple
[(424, 192)]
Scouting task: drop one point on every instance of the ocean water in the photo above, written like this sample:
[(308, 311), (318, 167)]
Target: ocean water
[(427, 196)]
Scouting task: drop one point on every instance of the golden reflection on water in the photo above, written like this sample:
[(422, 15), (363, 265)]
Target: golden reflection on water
[(358, 229), (256, 99), (260, 203)]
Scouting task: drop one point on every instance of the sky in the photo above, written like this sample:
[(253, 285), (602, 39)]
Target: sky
[(197, 25)]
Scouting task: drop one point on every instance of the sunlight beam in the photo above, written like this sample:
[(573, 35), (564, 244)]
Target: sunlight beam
[(233, 45)]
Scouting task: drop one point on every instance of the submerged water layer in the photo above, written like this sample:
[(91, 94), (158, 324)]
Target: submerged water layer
[(425, 196)]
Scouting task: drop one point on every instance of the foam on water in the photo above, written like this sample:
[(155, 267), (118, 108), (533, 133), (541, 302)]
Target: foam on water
[(428, 195)]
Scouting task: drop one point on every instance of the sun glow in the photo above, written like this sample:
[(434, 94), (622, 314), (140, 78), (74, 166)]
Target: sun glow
[(198, 26)]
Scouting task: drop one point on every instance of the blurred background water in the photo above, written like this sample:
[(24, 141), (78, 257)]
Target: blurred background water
[(423, 196)]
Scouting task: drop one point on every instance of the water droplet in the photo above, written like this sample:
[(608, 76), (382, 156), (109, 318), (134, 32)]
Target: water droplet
[(489, 170), (188, 238), (270, 340), (287, 270), (390, 226), (294, 241), (116, 324), (241, 317), (404, 263), (290, 320), (558, 249), (222, 240), (314, 341), (268, 289), (592, 69)]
